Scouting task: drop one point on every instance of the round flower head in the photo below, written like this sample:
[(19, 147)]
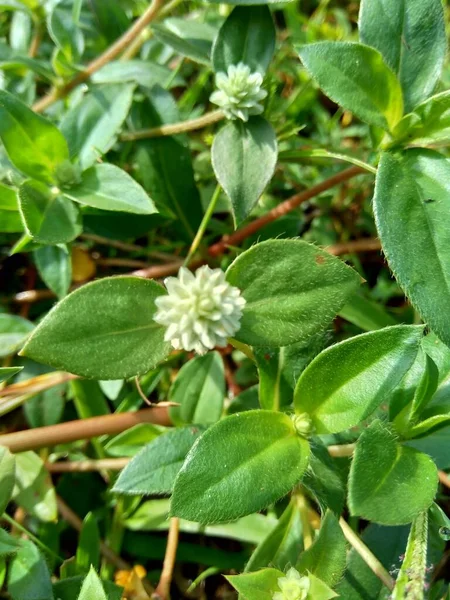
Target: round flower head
[(239, 92), (293, 586), (200, 311)]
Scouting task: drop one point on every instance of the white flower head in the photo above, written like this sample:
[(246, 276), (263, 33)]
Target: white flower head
[(200, 311), (239, 92), (293, 586)]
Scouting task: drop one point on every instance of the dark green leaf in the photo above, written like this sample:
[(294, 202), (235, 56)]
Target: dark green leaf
[(247, 36), (8, 544), (7, 372), (164, 165), (389, 483), (326, 558), (324, 480), (110, 188), (88, 549), (103, 330), (240, 465), (47, 407), (34, 490), (14, 331), (33, 144), (28, 575), (417, 184), (349, 380), (65, 32), (293, 290), (92, 125), (142, 72), (49, 217), (410, 34), (244, 156), (200, 390), (131, 441), (154, 468), (54, 265), (356, 77), (111, 18), (7, 477)]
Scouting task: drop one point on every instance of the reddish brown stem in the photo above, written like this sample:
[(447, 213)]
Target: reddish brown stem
[(162, 591), (282, 209), (363, 245), (83, 429)]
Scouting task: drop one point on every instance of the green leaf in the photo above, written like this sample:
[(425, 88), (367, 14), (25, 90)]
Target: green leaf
[(244, 156), (413, 573), (92, 588), (28, 575), (199, 388), (366, 314), (154, 468), (91, 126), (389, 483), (131, 441), (14, 331), (34, 490), (357, 78), (247, 36), (111, 18), (47, 407), (324, 480), (292, 289), (282, 546), (256, 586), (7, 477), (143, 72), (88, 549), (110, 188), (319, 590), (417, 183), (8, 544), (240, 465), (65, 32), (164, 165), (54, 265), (7, 372), (410, 34), (103, 330), (10, 220), (192, 39), (33, 144), (428, 124), (327, 556), (348, 381), (69, 588), (49, 217)]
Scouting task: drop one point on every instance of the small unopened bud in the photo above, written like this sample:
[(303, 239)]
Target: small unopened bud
[(67, 174), (303, 424)]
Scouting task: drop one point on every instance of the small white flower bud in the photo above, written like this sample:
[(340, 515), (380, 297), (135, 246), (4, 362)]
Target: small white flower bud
[(293, 586), (200, 311), (239, 92)]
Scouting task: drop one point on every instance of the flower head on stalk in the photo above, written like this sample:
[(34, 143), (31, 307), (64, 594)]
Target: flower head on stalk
[(200, 311)]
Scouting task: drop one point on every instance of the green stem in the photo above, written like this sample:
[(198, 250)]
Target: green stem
[(244, 348), (411, 579), (32, 537), (203, 225)]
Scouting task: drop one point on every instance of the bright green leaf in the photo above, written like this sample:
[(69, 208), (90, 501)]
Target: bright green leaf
[(428, 124), (260, 585), (65, 32), (49, 217), (88, 549), (8, 544), (357, 78), (389, 483), (292, 289), (244, 156), (92, 588), (34, 490), (10, 220), (247, 36), (131, 441), (7, 372), (240, 465), (348, 381), (189, 38), (7, 477), (14, 331), (33, 144), (199, 388), (28, 575), (110, 188), (154, 468), (417, 184), (103, 330)]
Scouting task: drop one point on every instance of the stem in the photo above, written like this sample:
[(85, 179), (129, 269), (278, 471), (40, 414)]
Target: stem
[(83, 429), (203, 225), (282, 209), (110, 53), (341, 450), (32, 537), (368, 557), (162, 591), (174, 128), (244, 348), (35, 41), (85, 466), (411, 579), (363, 245), (159, 271)]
